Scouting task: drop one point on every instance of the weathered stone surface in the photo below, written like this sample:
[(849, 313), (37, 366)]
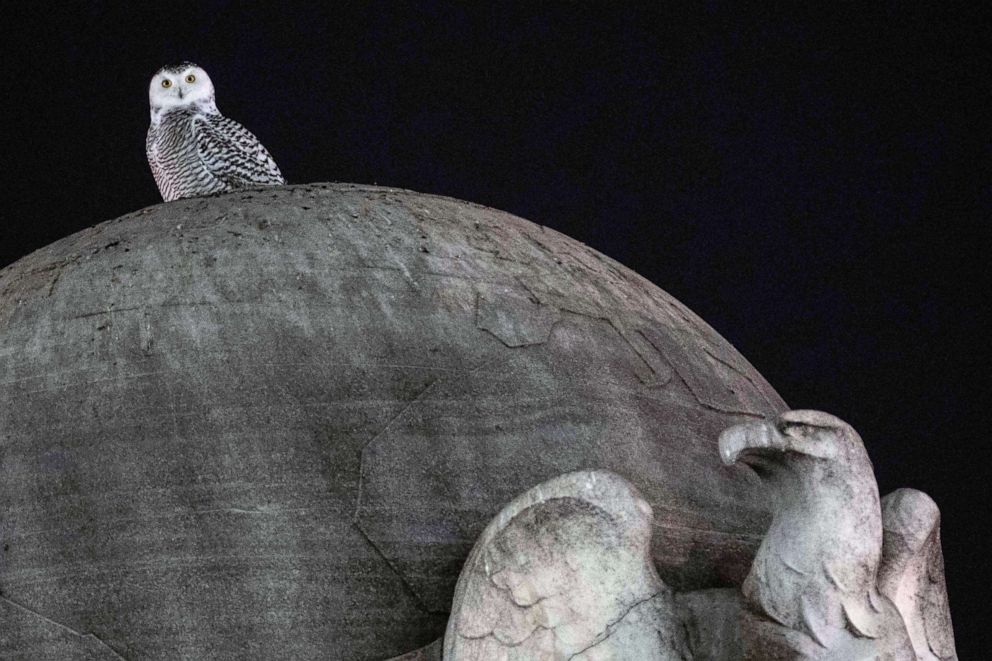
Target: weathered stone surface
[(431, 652), (912, 572), (273, 424), (565, 572), (814, 578)]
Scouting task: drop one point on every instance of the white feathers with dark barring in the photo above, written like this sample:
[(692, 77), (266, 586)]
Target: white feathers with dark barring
[(192, 148)]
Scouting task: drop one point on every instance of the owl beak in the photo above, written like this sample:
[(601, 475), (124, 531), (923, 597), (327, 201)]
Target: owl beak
[(180, 94)]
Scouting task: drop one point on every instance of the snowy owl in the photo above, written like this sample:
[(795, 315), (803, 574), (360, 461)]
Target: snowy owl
[(192, 148)]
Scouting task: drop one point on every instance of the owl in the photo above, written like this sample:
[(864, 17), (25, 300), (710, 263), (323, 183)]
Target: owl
[(192, 148)]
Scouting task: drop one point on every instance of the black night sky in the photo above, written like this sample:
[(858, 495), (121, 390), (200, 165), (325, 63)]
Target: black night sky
[(815, 183)]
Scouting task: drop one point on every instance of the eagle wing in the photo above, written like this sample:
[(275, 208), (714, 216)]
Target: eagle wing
[(911, 573), (565, 568)]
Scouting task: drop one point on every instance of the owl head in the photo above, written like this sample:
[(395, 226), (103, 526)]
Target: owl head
[(180, 86)]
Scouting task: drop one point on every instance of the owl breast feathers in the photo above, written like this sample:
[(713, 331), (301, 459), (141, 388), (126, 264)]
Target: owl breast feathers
[(192, 148)]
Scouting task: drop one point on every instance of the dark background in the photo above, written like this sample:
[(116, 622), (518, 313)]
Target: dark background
[(813, 183)]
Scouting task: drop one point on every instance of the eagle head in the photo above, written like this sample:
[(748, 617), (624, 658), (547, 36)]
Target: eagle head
[(815, 571)]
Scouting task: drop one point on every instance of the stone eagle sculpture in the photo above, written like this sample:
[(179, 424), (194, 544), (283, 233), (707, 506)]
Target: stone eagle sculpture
[(912, 572), (815, 572), (565, 570)]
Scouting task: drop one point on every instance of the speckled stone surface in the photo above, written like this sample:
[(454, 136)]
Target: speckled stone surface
[(272, 424)]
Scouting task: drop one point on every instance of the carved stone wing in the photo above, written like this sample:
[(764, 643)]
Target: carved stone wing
[(911, 573), (565, 572)]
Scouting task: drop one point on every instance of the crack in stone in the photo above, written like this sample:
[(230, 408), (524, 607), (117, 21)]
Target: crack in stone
[(242, 510), (611, 626), (607, 630), (507, 643), (80, 634), (537, 627), (619, 328), (408, 587), (678, 370), (378, 435), (356, 522), (501, 334)]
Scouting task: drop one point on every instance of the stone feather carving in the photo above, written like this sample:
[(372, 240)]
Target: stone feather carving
[(912, 572), (815, 571), (565, 572)]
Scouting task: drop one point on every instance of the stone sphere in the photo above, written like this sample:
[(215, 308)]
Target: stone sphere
[(271, 424)]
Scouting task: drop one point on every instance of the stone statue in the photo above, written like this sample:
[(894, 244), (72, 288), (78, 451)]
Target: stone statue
[(912, 571), (565, 572), (276, 423)]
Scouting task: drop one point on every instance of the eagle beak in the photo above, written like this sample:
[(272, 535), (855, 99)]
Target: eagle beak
[(750, 437), (811, 433)]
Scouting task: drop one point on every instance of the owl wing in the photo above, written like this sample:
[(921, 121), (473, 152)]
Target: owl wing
[(232, 153), (565, 568)]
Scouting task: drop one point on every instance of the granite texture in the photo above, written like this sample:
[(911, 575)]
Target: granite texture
[(272, 424)]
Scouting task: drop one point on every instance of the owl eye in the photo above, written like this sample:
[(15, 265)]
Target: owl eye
[(190, 78), (166, 83)]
